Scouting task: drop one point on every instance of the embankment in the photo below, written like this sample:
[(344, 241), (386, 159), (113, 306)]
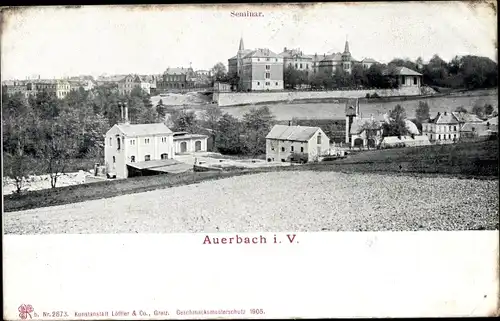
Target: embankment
[(239, 98)]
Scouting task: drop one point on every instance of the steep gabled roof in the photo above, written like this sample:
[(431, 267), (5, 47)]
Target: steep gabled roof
[(144, 129), (293, 133), (444, 118)]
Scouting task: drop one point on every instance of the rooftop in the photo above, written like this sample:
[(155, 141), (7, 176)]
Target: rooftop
[(294, 133), (444, 118), (178, 71), (261, 53), (401, 71), (466, 117), (144, 129)]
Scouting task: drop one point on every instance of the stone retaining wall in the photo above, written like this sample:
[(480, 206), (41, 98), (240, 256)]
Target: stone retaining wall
[(233, 98)]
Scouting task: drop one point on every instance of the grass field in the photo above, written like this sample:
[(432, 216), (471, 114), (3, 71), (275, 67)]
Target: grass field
[(286, 111), (467, 160)]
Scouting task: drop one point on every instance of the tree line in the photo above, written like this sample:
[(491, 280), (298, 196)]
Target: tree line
[(45, 132)]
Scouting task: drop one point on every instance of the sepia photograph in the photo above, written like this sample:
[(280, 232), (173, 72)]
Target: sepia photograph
[(234, 122)]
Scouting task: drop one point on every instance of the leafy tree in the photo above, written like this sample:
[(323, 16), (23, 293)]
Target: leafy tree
[(422, 113), (256, 124), (228, 140), (291, 77), (488, 109), (18, 138), (398, 62), (396, 125), (219, 72), (359, 77), (375, 77), (461, 109), (211, 117), (184, 120), (478, 110), (370, 129)]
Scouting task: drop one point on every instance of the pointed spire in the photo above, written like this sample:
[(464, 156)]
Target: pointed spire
[(346, 48), (242, 47)]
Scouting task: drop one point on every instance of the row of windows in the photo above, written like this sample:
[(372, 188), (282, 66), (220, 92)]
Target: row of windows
[(292, 149), (445, 137), (132, 141), (268, 83), (440, 128), (299, 65)]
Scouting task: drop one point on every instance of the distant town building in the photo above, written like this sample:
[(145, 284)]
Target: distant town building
[(262, 70), (63, 88), (176, 79), (368, 62), (127, 83), (205, 73), (334, 62), (222, 87), (295, 58), (259, 69), (296, 143), (235, 63), (15, 87)]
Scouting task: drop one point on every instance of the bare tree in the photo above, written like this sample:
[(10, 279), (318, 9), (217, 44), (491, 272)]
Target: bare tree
[(59, 143)]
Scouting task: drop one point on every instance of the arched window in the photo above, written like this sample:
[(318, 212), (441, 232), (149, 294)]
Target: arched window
[(132, 159), (114, 159), (164, 156), (118, 143), (319, 139)]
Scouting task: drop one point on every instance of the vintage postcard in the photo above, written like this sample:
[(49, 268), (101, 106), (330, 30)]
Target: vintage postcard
[(301, 160)]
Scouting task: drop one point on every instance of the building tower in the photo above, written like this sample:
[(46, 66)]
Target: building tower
[(351, 113), (241, 51), (346, 58)]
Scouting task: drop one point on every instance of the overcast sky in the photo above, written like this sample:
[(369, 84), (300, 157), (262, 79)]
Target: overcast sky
[(54, 42)]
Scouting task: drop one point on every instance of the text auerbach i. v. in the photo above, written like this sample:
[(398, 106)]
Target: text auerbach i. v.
[(290, 238)]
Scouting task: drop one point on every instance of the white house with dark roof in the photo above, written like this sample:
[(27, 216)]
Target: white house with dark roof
[(284, 142), (444, 128), (139, 148), (406, 77)]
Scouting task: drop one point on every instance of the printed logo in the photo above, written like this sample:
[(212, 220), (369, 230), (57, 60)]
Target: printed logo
[(25, 311)]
